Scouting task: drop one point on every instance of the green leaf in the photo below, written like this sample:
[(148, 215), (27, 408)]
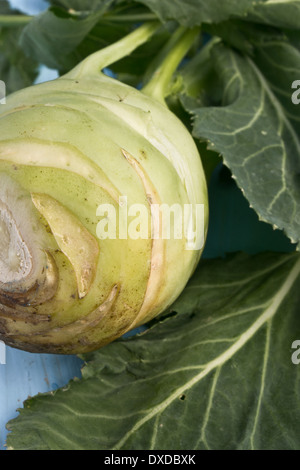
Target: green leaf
[(51, 36), (16, 69), (256, 128), (233, 33), (280, 13), (294, 37), (69, 31), (215, 374), (5, 8), (196, 12)]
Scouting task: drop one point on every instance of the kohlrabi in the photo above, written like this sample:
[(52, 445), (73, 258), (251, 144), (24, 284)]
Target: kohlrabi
[(90, 170)]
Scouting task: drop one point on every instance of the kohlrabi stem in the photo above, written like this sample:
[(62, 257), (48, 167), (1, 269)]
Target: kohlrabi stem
[(172, 55), (130, 18), (14, 20), (96, 62)]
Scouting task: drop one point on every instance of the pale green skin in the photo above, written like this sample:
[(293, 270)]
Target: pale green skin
[(65, 139)]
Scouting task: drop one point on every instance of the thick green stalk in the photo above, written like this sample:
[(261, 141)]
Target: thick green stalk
[(96, 62), (14, 20), (130, 18), (172, 55)]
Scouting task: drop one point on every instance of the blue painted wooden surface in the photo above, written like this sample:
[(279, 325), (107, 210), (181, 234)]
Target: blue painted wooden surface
[(30, 7), (233, 226), (26, 374)]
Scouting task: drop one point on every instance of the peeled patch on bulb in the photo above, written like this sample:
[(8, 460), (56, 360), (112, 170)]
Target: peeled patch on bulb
[(73, 239), (21, 242), (15, 258), (68, 147), (28, 274)]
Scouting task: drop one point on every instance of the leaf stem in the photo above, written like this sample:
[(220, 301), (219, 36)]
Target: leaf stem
[(130, 18), (14, 20), (172, 55), (96, 62)]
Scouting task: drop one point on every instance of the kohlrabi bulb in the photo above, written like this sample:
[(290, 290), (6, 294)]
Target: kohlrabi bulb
[(103, 212)]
